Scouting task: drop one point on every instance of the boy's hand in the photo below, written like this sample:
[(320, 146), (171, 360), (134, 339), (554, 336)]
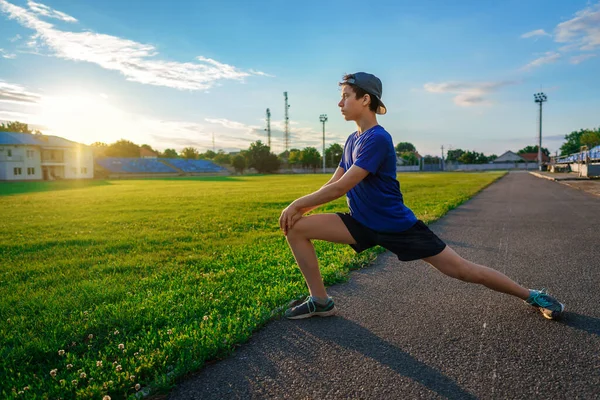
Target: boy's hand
[(289, 216)]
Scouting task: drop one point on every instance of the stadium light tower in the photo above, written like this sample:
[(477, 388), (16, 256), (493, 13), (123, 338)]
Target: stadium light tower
[(323, 119), (540, 98)]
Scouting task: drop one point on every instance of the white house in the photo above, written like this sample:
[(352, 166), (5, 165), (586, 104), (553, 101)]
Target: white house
[(25, 156)]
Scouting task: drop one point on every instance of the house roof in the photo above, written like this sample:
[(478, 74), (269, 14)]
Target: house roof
[(508, 156), (144, 152), (534, 157), (14, 138)]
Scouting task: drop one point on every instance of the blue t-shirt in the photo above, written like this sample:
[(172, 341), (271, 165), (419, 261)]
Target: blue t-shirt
[(376, 201)]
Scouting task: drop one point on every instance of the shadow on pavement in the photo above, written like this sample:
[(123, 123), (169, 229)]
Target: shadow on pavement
[(353, 337), (582, 322)]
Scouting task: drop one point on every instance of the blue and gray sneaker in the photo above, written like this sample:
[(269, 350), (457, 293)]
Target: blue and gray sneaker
[(548, 305), (309, 308)]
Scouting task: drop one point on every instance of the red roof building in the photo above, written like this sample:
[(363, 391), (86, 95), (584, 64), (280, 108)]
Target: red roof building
[(533, 157)]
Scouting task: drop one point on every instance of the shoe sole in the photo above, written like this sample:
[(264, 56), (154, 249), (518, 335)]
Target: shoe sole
[(329, 313), (548, 313)]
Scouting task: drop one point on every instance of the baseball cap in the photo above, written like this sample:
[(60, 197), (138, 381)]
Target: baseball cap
[(370, 84)]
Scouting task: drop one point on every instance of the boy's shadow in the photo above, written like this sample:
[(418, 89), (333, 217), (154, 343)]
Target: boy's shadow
[(342, 332), (581, 322)]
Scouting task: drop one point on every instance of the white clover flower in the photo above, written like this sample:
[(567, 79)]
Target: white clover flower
[(74, 381), (116, 332), (90, 336), (121, 346), (82, 375), (21, 392), (53, 372), (26, 388), (141, 350), (115, 362), (107, 397), (98, 363), (61, 352), (69, 366), (205, 317), (136, 354), (169, 332), (62, 382), (119, 368), (138, 386), (132, 377)]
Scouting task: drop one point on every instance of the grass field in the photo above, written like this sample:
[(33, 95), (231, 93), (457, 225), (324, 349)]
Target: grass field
[(105, 285)]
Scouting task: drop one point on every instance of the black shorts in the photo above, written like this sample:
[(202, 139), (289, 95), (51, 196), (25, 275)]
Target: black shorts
[(415, 243)]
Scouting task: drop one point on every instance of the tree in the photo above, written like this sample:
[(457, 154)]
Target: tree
[(333, 155), (122, 148), (572, 144), (310, 158), (169, 153), (409, 158), (189, 153), (259, 156), (431, 160), (533, 149), (591, 138), (404, 147), (454, 155), (208, 155), (17, 127), (473, 157), (221, 158), (99, 148), (294, 157), (239, 163)]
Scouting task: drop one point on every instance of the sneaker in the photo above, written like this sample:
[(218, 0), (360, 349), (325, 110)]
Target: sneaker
[(310, 308), (548, 305), (297, 302)]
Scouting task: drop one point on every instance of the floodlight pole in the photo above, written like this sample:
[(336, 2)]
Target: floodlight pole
[(323, 119), (540, 98)]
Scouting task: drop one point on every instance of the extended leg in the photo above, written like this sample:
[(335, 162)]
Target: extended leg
[(451, 264)]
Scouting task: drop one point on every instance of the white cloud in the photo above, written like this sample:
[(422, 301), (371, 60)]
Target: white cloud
[(548, 58), (468, 93), (261, 73), (11, 93), (581, 58), (582, 31), (46, 11), (4, 54), (15, 38), (537, 32), (136, 61)]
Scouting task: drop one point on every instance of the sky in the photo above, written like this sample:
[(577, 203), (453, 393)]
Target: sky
[(176, 74)]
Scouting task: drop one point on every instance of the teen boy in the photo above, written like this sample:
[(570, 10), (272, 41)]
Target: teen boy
[(378, 216)]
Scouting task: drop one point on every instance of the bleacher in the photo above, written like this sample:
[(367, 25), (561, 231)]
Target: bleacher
[(194, 166), (120, 165), (593, 155)]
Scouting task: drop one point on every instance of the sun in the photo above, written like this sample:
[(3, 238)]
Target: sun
[(83, 118)]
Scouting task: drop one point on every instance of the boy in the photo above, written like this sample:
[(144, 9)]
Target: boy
[(378, 216)]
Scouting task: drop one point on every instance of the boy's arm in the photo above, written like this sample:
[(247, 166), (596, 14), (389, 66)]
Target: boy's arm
[(339, 172), (327, 193)]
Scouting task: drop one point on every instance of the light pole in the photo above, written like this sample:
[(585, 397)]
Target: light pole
[(323, 119), (540, 98)]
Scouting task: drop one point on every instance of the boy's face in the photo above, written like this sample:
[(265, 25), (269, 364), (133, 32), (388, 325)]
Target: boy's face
[(351, 107)]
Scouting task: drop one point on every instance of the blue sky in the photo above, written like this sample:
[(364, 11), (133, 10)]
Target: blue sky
[(173, 74)]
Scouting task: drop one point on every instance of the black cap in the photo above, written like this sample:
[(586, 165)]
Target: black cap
[(370, 84)]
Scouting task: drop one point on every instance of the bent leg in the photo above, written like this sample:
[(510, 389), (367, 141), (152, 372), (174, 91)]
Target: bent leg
[(451, 264), (328, 227)]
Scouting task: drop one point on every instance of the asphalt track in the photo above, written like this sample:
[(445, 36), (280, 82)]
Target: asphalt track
[(405, 331)]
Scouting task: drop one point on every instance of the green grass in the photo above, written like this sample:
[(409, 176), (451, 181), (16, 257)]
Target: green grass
[(177, 271)]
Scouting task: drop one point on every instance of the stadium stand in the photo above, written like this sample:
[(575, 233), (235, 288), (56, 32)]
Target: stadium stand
[(134, 165), (593, 154), (194, 166)]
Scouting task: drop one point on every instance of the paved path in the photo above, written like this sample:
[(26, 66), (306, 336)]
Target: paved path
[(405, 331)]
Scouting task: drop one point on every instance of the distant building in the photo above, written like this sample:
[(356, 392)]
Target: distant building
[(25, 156), (533, 157), (145, 153), (508, 157)]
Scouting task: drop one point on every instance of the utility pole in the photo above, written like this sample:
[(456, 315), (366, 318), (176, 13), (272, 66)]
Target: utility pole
[(287, 122), (323, 119), (540, 98), (442, 157), (269, 128), (213, 135)]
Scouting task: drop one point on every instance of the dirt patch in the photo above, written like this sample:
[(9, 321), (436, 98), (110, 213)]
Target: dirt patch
[(591, 186)]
